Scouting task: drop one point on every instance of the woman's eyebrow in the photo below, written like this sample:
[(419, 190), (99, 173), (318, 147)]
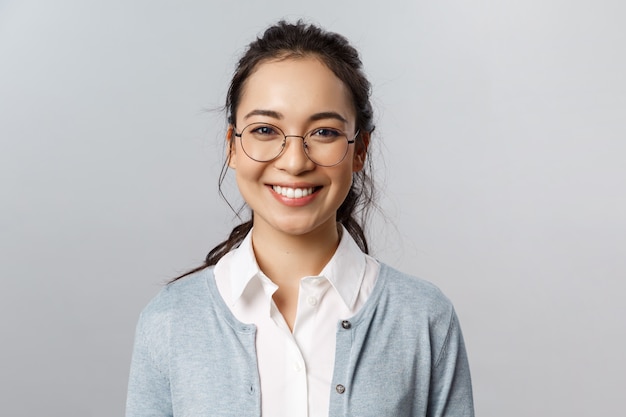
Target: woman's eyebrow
[(261, 112), (327, 115)]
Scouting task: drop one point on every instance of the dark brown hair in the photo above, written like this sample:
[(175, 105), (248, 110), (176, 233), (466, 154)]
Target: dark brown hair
[(296, 40)]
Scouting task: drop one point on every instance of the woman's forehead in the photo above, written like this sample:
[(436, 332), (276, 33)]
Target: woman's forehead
[(292, 86)]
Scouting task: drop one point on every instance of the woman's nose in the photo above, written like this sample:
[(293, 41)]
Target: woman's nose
[(294, 159)]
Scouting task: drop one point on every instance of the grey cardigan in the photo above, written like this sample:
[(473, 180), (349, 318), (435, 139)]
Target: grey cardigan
[(401, 355)]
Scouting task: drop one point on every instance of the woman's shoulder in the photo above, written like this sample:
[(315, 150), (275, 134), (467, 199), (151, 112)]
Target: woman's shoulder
[(410, 292), (185, 293), (410, 284)]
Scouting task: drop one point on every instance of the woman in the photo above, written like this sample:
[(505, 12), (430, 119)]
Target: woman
[(290, 316)]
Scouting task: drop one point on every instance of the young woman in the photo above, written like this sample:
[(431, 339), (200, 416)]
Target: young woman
[(290, 316)]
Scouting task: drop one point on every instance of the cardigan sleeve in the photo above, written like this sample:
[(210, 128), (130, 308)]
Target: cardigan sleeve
[(450, 386), (148, 386)]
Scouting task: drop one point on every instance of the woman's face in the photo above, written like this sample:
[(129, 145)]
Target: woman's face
[(296, 95)]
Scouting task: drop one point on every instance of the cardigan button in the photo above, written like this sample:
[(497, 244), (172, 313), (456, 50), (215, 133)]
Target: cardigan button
[(340, 389), (346, 324)]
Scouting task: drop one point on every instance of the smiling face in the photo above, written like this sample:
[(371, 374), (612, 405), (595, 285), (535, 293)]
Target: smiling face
[(291, 194)]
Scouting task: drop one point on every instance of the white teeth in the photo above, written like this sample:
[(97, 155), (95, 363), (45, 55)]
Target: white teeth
[(293, 192)]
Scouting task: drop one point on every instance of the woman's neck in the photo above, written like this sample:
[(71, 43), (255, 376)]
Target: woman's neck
[(286, 258)]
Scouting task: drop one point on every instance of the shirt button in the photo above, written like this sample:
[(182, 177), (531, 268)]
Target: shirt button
[(340, 389), (312, 301), (346, 324), (297, 366)]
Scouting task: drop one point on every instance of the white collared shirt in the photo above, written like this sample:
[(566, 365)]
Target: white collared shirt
[(296, 368)]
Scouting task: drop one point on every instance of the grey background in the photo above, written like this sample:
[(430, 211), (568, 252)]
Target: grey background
[(500, 150)]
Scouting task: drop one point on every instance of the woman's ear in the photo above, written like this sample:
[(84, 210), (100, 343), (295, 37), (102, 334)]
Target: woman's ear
[(360, 152), (230, 146)]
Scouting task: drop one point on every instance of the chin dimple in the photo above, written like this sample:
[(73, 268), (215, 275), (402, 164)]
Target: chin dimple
[(293, 192)]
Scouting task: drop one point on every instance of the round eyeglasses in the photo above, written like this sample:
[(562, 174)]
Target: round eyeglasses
[(325, 146)]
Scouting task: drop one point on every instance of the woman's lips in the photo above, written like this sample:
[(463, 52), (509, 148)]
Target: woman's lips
[(290, 192), (294, 196)]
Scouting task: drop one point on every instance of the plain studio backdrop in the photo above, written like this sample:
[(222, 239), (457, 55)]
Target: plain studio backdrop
[(500, 151)]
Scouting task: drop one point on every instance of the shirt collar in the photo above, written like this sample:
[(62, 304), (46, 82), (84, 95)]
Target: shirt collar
[(345, 270), (243, 267)]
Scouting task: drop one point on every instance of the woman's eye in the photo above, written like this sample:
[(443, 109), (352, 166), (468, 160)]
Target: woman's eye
[(326, 133), (264, 130)]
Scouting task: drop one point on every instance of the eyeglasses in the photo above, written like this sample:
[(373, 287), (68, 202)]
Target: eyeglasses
[(325, 146)]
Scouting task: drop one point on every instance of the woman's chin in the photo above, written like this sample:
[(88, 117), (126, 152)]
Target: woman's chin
[(297, 227)]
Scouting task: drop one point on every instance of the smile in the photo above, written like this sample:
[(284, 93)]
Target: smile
[(293, 192)]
